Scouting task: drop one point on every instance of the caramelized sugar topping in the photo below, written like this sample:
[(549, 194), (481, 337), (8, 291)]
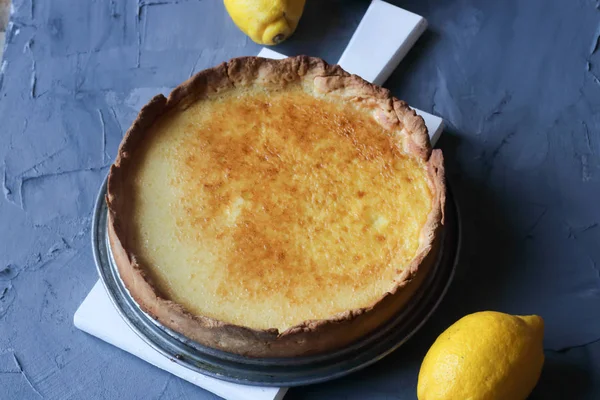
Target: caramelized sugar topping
[(268, 209)]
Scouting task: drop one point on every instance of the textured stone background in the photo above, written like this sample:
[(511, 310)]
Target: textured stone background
[(517, 82), (4, 13)]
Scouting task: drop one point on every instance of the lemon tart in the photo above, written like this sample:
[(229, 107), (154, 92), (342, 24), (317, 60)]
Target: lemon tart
[(275, 208)]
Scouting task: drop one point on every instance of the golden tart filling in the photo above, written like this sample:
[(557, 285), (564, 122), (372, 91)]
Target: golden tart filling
[(268, 208)]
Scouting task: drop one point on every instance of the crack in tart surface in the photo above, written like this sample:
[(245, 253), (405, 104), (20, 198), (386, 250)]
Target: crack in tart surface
[(275, 208)]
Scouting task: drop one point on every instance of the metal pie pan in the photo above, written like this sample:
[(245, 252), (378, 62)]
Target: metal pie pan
[(279, 371)]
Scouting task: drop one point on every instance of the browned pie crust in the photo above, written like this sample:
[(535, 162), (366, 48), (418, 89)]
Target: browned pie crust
[(309, 337)]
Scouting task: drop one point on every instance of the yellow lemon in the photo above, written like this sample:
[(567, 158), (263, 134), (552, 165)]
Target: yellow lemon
[(484, 356), (267, 22)]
